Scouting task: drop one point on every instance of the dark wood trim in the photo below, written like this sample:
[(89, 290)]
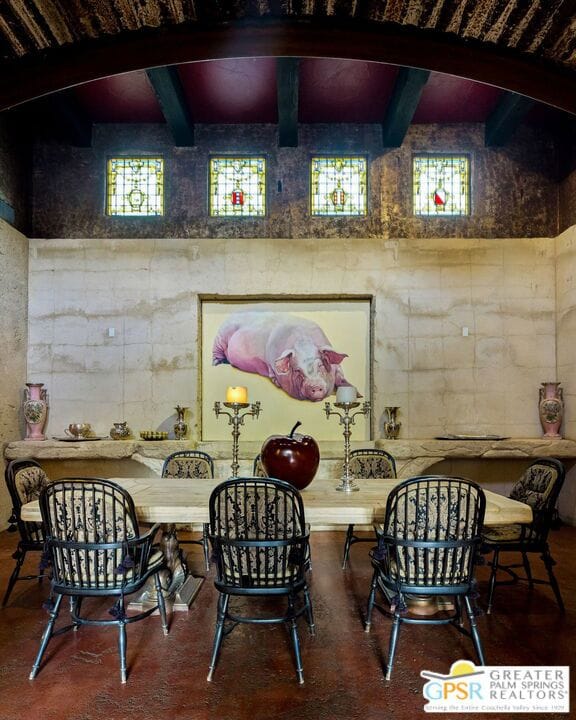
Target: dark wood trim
[(287, 81), (170, 93), (402, 106), (505, 119), (34, 76)]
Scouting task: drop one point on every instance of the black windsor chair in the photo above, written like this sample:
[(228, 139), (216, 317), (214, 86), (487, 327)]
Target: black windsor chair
[(25, 480), (193, 464), (258, 468), (427, 547), (94, 546), (260, 542), (367, 463), (538, 487)]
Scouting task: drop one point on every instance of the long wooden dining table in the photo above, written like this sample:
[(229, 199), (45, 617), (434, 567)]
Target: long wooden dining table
[(182, 500), (173, 501)]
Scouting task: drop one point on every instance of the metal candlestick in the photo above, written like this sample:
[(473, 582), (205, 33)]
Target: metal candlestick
[(236, 419), (347, 419)]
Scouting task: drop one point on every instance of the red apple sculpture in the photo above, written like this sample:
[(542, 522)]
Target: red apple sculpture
[(293, 458)]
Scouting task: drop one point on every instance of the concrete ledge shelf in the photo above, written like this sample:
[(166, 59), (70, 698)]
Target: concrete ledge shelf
[(413, 456)]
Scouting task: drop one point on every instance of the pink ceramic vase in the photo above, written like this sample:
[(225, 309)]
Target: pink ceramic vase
[(35, 409), (551, 408)]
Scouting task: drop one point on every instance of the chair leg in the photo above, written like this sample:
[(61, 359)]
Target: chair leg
[(206, 547), (371, 597), (474, 630), (459, 617), (223, 601), (495, 559), (161, 603), (309, 611), (549, 564), (75, 608), (122, 644), (19, 557), (393, 644), (295, 640), (347, 543), (48, 632), (527, 569)]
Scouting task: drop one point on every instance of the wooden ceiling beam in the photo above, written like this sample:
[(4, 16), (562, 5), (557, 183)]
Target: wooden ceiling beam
[(402, 106), (287, 83), (170, 93), (33, 76), (505, 119)]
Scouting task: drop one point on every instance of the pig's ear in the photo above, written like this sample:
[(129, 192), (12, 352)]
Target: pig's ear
[(333, 357), (282, 364)]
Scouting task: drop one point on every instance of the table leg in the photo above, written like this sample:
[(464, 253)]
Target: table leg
[(183, 586)]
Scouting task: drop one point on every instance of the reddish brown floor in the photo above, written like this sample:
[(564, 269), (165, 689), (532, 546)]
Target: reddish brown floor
[(255, 677)]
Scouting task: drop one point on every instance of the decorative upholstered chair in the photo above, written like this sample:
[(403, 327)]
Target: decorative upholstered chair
[(193, 464), (258, 468), (539, 487), (260, 541), (427, 547), (25, 480), (94, 546), (367, 463)]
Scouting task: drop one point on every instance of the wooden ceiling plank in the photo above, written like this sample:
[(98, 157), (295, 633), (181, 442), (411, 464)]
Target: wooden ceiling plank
[(402, 106), (170, 93), (287, 81), (505, 119)]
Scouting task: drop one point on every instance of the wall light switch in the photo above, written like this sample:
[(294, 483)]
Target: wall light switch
[(111, 332), (464, 331)]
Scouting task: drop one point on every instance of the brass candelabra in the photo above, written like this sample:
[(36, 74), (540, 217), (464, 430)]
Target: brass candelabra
[(347, 418), (236, 418)]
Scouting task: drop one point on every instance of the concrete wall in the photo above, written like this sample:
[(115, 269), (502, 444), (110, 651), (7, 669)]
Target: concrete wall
[(425, 292), (566, 342), (13, 335)]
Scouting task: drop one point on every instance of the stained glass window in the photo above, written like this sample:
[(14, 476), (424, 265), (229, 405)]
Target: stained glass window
[(338, 186), (237, 186), (135, 186), (441, 184)]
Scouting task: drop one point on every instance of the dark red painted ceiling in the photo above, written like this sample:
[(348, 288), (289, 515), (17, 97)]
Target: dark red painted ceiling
[(244, 91)]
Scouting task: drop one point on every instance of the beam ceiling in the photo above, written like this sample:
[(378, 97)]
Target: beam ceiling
[(526, 46)]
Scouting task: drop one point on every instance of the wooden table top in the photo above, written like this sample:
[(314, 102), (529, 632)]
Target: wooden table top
[(181, 500)]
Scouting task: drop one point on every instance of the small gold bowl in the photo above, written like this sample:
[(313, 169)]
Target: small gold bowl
[(153, 435)]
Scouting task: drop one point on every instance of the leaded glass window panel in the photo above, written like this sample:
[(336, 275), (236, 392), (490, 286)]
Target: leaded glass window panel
[(338, 186), (441, 184), (135, 186), (237, 186)]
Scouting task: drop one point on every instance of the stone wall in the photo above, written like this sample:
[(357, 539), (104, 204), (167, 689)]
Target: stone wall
[(13, 335), (514, 190), (425, 292)]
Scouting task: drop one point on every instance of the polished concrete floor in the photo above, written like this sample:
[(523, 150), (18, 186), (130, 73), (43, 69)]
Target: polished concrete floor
[(255, 678)]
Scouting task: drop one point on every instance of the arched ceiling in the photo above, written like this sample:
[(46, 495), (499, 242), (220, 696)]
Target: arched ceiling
[(528, 46)]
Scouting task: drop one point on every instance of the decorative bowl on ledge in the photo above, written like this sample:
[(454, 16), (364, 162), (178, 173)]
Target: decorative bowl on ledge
[(153, 435)]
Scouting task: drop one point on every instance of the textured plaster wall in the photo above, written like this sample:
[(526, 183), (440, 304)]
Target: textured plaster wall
[(15, 165), (513, 188), (13, 334), (425, 292)]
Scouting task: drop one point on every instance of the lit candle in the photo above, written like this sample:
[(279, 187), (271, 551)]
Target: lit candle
[(237, 395), (346, 394)]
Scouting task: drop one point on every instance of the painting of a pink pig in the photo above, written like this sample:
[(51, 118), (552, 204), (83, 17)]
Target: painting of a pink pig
[(292, 351)]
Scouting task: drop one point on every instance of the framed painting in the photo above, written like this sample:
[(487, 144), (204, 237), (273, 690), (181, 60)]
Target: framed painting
[(291, 354)]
